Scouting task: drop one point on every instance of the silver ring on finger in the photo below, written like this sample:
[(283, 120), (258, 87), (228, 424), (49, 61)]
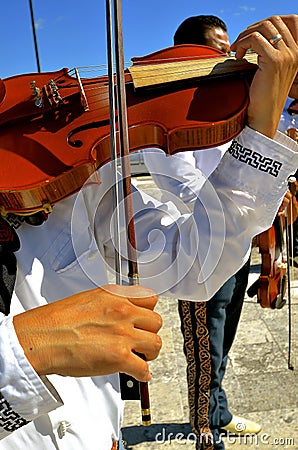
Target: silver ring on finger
[(275, 39)]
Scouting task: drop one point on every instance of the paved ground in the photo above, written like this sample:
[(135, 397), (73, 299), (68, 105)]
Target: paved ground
[(258, 382)]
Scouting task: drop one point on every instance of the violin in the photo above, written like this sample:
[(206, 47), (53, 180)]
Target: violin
[(54, 126), (272, 281)]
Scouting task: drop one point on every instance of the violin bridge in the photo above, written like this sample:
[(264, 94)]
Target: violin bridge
[(84, 101)]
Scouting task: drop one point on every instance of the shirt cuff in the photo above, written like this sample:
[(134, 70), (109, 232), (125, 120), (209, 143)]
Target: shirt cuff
[(26, 392), (280, 138)]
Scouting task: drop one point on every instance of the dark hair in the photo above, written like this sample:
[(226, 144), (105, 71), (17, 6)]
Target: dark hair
[(192, 30)]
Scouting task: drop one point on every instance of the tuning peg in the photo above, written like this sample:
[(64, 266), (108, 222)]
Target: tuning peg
[(36, 92)]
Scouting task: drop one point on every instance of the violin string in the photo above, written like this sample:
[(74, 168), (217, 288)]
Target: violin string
[(103, 67), (98, 70), (208, 61)]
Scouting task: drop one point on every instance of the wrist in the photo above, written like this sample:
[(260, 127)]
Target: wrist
[(31, 337)]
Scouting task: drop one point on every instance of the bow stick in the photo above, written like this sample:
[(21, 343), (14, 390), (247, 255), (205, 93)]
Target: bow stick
[(289, 238), (113, 147), (130, 388)]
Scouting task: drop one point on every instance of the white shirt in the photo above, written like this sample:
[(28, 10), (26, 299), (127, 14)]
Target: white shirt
[(73, 250), (172, 175)]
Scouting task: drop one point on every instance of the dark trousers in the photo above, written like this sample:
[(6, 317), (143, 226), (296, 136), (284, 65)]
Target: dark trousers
[(222, 317)]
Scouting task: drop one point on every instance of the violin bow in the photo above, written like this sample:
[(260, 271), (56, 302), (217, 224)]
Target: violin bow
[(130, 388), (292, 132), (113, 145), (289, 239), (123, 142)]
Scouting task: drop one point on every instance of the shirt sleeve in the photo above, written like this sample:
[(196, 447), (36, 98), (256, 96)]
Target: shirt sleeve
[(23, 394), (176, 176), (183, 174), (189, 256)]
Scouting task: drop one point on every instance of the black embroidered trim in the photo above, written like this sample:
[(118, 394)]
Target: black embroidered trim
[(14, 220), (255, 159), (9, 419)]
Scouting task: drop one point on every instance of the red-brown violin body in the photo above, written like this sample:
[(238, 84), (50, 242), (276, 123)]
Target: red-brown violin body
[(54, 128), (272, 281)]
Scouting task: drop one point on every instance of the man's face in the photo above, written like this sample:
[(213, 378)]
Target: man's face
[(218, 38)]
